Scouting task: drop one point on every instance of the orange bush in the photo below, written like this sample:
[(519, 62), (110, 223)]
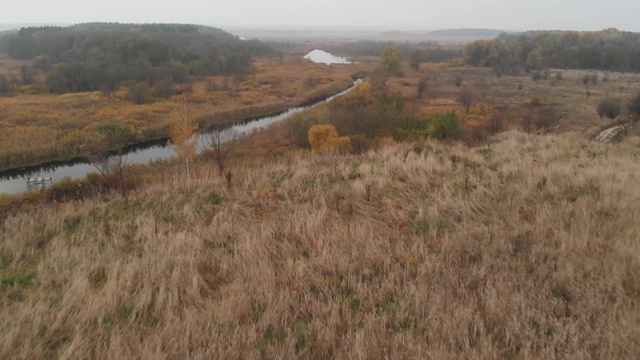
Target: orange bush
[(325, 137)]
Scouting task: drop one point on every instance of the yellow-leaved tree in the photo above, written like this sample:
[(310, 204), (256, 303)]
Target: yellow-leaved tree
[(326, 138), (184, 139)]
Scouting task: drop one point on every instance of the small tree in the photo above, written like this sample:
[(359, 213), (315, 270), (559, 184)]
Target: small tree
[(5, 87), (415, 59), (633, 106), (457, 80), (390, 60), (220, 142), (325, 137), (467, 96), (609, 107), (164, 88), (27, 76), (111, 164), (139, 93), (182, 139), (422, 86)]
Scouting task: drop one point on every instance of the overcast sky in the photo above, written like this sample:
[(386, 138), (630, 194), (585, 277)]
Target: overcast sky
[(382, 14)]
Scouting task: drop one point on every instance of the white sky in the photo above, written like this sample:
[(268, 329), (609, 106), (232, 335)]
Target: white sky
[(382, 14)]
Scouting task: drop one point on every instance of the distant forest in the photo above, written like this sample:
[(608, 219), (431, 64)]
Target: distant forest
[(427, 51), (100, 56), (609, 49)]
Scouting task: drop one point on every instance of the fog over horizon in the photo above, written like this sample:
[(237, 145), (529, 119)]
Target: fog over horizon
[(416, 15)]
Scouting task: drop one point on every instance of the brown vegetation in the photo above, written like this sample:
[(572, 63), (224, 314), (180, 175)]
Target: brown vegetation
[(526, 249)]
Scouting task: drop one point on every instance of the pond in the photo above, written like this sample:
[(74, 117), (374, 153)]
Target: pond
[(15, 181), (323, 57)]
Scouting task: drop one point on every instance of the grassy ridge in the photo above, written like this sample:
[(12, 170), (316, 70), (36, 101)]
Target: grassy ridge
[(525, 249)]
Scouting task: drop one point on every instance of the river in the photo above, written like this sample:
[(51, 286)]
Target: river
[(16, 181)]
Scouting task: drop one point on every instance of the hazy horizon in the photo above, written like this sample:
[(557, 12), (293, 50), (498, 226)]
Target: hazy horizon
[(357, 14)]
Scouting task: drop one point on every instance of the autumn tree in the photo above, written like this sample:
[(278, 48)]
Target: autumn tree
[(390, 60), (609, 107), (325, 137), (182, 138)]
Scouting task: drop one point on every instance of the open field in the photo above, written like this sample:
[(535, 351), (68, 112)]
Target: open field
[(526, 249), (43, 127), (573, 103)]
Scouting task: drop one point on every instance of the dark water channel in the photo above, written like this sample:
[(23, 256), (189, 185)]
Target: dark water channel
[(15, 181)]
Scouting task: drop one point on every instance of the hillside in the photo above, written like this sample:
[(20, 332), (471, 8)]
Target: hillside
[(99, 56), (608, 49), (526, 248)]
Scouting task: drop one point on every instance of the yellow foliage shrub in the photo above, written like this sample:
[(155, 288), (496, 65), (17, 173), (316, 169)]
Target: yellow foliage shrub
[(325, 137), (536, 101)]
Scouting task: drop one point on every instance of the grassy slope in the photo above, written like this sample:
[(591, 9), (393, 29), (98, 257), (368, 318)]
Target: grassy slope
[(528, 249)]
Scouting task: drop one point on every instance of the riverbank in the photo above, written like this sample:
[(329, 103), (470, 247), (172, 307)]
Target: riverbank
[(14, 181), (37, 129), (129, 147)]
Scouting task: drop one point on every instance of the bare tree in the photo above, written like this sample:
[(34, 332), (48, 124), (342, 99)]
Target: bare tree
[(457, 80), (111, 163), (182, 133), (422, 86), (467, 96), (220, 142)]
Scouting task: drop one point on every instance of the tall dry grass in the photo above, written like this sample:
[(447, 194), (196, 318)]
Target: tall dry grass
[(527, 249)]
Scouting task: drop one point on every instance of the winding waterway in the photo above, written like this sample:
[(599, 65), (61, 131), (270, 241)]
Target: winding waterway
[(16, 181)]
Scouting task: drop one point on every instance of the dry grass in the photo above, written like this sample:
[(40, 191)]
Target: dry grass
[(527, 249), (574, 103)]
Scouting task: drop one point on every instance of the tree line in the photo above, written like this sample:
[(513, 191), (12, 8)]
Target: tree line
[(426, 51), (100, 56), (608, 49)]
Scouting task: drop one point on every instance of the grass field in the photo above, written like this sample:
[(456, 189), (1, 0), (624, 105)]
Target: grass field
[(574, 103), (527, 249)]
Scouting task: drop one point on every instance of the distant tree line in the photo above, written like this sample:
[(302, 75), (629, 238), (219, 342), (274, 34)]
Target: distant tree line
[(99, 56), (428, 51), (609, 49)]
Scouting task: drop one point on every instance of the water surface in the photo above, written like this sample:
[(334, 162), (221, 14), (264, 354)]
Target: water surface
[(323, 57)]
